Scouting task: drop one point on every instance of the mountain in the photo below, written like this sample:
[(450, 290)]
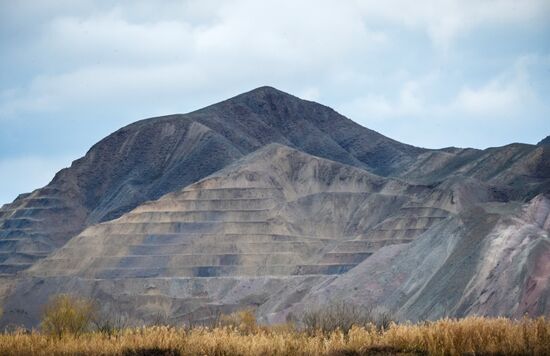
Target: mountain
[(269, 201), (152, 157), (520, 171), (544, 141), (274, 219), (490, 260)]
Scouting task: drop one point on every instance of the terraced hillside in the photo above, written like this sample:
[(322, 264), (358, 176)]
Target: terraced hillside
[(27, 232), (492, 259), (150, 158), (270, 201), (274, 216)]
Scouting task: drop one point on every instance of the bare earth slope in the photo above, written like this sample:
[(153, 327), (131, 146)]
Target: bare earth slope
[(150, 158), (279, 229), (520, 170), (277, 219), (493, 259), (270, 201)]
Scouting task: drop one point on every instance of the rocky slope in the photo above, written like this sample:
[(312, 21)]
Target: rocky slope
[(273, 230), (150, 158), (544, 141), (491, 260), (277, 216), (521, 171), (270, 201)]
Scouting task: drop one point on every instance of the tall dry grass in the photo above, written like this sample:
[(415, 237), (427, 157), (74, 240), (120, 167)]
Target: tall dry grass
[(472, 335)]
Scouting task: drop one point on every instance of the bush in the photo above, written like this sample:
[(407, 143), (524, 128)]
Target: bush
[(110, 323), (66, 314), (342, 316), (243, 320)]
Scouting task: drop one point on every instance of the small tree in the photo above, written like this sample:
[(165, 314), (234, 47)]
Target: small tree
[(66, 314)]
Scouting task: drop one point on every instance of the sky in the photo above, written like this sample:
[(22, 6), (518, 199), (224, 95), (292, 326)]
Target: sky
[(468, 73)]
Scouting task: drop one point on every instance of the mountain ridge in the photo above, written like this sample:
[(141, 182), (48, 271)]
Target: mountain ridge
[(144, 160), (277, 215), (331, 201)]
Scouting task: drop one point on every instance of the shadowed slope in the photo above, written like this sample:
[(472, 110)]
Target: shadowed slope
[(247, 219), (492, 259), (150, 158), (271, 225), (278, 218), (121, 171), (544, 141), (521, 171)]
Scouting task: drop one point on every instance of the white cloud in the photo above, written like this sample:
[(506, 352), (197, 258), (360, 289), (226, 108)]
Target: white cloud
[(309, 93), (273, 31), (111, 57), (131, 50), (492, 99), (445, 20), (413, 99), (503, 96), (111, 38)]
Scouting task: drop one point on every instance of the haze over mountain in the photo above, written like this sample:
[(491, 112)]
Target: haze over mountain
[(271, 201)]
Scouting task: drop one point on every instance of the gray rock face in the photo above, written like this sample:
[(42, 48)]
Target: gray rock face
[(518, 171), (544, 141), (269, 201), (150, 158), (491, 260), (277, 216)]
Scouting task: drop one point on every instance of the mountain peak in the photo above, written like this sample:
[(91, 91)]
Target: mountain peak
[(544, 141), (264, 93), (267, 90)]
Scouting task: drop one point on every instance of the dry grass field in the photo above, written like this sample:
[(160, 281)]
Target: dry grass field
[(472, 336)]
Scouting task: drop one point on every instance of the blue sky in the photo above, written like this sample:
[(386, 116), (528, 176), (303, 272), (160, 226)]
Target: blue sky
[(429, 73)]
